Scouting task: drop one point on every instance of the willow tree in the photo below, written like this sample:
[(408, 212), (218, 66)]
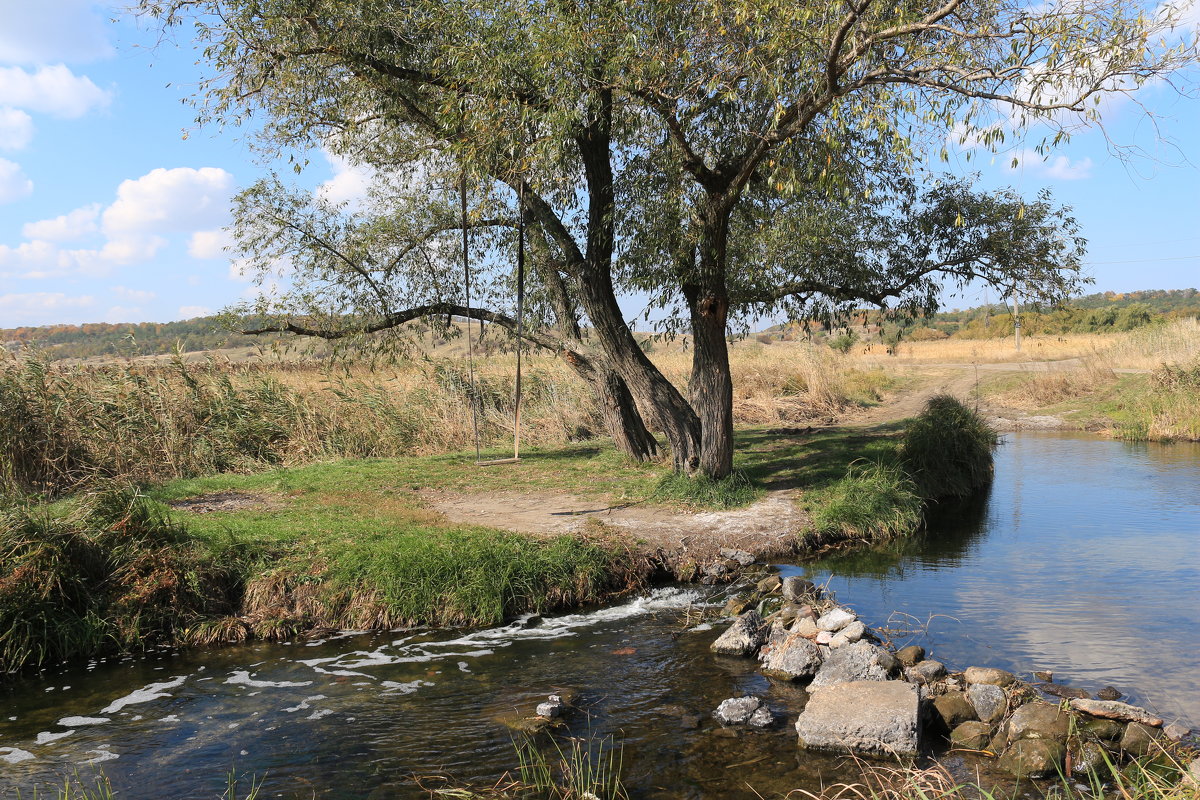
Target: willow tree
[(702, 115)]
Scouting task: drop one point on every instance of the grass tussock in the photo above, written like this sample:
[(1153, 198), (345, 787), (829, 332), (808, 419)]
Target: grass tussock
[(874, 501), (700, 491), (109, 573), (947, 449)]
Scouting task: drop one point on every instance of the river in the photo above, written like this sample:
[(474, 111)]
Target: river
[(1083, 560)]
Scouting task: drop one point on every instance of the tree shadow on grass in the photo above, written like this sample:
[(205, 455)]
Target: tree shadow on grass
[(810, 458)]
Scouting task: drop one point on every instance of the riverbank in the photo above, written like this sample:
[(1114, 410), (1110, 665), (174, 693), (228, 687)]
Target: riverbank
[(369, 545)]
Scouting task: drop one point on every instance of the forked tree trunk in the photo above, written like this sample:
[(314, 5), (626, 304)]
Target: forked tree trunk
[(622, 419), (712, 385)]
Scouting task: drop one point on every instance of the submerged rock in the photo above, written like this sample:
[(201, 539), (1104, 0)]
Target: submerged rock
[(1108, 693), (1111, 709), (1034, 758), (875, 718), (990, 701), (793, 659), (1087, 757), (761, 718), (861, 661), (743, 638), (989, 675), (1065, 692), (737, 710), (1176, 732)]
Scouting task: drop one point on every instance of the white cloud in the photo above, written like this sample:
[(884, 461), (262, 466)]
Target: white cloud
[(72, 225), (134, 295), (51, 90), (29, 307), (14, 184), (1060, 168), (117, 314), (190, 312), (210, 244), (16, 129), (170, 201), (41, 32), (349, 183)]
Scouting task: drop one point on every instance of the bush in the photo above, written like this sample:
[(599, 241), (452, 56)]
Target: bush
[(843, 342), (873, 501), (947, 450)]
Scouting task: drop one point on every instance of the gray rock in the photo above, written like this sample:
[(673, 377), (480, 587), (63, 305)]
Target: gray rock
[(737, 710), (908, 656), (1111, 709), (550, 709), (769, 584), (1065, 692), (1038, 720), (798, 589), (875, 718), (805, 626), (1192, 776), (861, 661), (793, 659), (1087, 756), (739, 603), (740, 556), (849, 634), (689, 722), (988, 675), (1108, 693), (835, 619), (761, 718), (715, 570), (972, 735), (1034, 758), (926, 672), (744, 636), (990, 701), (954, 709), (1176, 732), (1139, 739), (777, 634)]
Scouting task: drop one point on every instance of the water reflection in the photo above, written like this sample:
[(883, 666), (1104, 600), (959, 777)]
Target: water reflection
[(1082, 560)]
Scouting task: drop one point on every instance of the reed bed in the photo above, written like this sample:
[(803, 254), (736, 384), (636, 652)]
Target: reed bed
[(65, 427)]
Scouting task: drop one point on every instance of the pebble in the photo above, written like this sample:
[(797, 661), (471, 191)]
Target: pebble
[(835, 619), (913, 654), (988, 675), (926, 672), (1176, 732)]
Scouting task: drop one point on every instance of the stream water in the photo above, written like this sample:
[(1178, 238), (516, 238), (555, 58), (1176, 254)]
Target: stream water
[(1082, 560)]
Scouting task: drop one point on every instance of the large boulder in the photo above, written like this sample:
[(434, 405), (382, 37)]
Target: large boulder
[(737, 710), (794, 659), (861, 661), (926, 672), (835, 619), (1038, 721), (743, 638), (972, 735), (1034, 758), (990, 701), (911, 655), (873, 718), (1138, 739), (797, 589)]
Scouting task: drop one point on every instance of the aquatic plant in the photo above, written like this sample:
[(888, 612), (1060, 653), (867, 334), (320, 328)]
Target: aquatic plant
[(947, 449)]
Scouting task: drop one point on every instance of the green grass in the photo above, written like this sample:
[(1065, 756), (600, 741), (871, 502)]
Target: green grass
[(874, 501), (947, 449), (733, 491)]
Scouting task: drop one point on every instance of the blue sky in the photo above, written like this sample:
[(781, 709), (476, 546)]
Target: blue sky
[(111, 201)]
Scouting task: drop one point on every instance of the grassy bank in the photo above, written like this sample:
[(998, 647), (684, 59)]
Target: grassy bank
[(1159, 402)]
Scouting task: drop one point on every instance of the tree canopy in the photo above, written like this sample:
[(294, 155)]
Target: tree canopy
[(721, 156)]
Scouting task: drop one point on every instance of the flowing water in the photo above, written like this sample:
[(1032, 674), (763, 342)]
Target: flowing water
[(1082, 560)]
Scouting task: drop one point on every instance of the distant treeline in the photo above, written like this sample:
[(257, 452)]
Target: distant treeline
[(97, 339), (1103, 312)]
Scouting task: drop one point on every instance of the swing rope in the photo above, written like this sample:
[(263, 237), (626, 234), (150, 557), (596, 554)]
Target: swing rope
[(462, 186)]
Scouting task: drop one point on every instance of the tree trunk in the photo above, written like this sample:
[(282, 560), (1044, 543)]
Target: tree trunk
[(622, 419), (712, 385)]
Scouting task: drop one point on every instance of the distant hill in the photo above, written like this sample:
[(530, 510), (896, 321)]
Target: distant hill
[(100, 339)]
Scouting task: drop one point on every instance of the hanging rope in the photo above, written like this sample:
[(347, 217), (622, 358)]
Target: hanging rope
[(462, 187), (520, 315)]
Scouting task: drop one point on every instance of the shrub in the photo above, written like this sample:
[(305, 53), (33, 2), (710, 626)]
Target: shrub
[(947, 450), (843, 342)]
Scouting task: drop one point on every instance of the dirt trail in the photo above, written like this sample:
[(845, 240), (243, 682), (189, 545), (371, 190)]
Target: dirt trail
[(765, 529)]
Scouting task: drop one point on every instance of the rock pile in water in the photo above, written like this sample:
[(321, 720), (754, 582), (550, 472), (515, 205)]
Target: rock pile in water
[(868, 701)]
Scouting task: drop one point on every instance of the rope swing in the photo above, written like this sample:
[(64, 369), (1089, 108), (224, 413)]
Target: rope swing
[(516, 456)]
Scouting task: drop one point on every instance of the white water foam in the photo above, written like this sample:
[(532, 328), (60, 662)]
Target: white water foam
[(304, 704), (45, 737), (485, 642), (392, 687), (153, 691), (320, 713), (15, 755), (242, 678), (102, 753), (76, 722)]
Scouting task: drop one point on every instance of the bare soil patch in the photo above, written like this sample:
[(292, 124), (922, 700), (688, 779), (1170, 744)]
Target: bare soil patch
[(765, 529), (225, 501)]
